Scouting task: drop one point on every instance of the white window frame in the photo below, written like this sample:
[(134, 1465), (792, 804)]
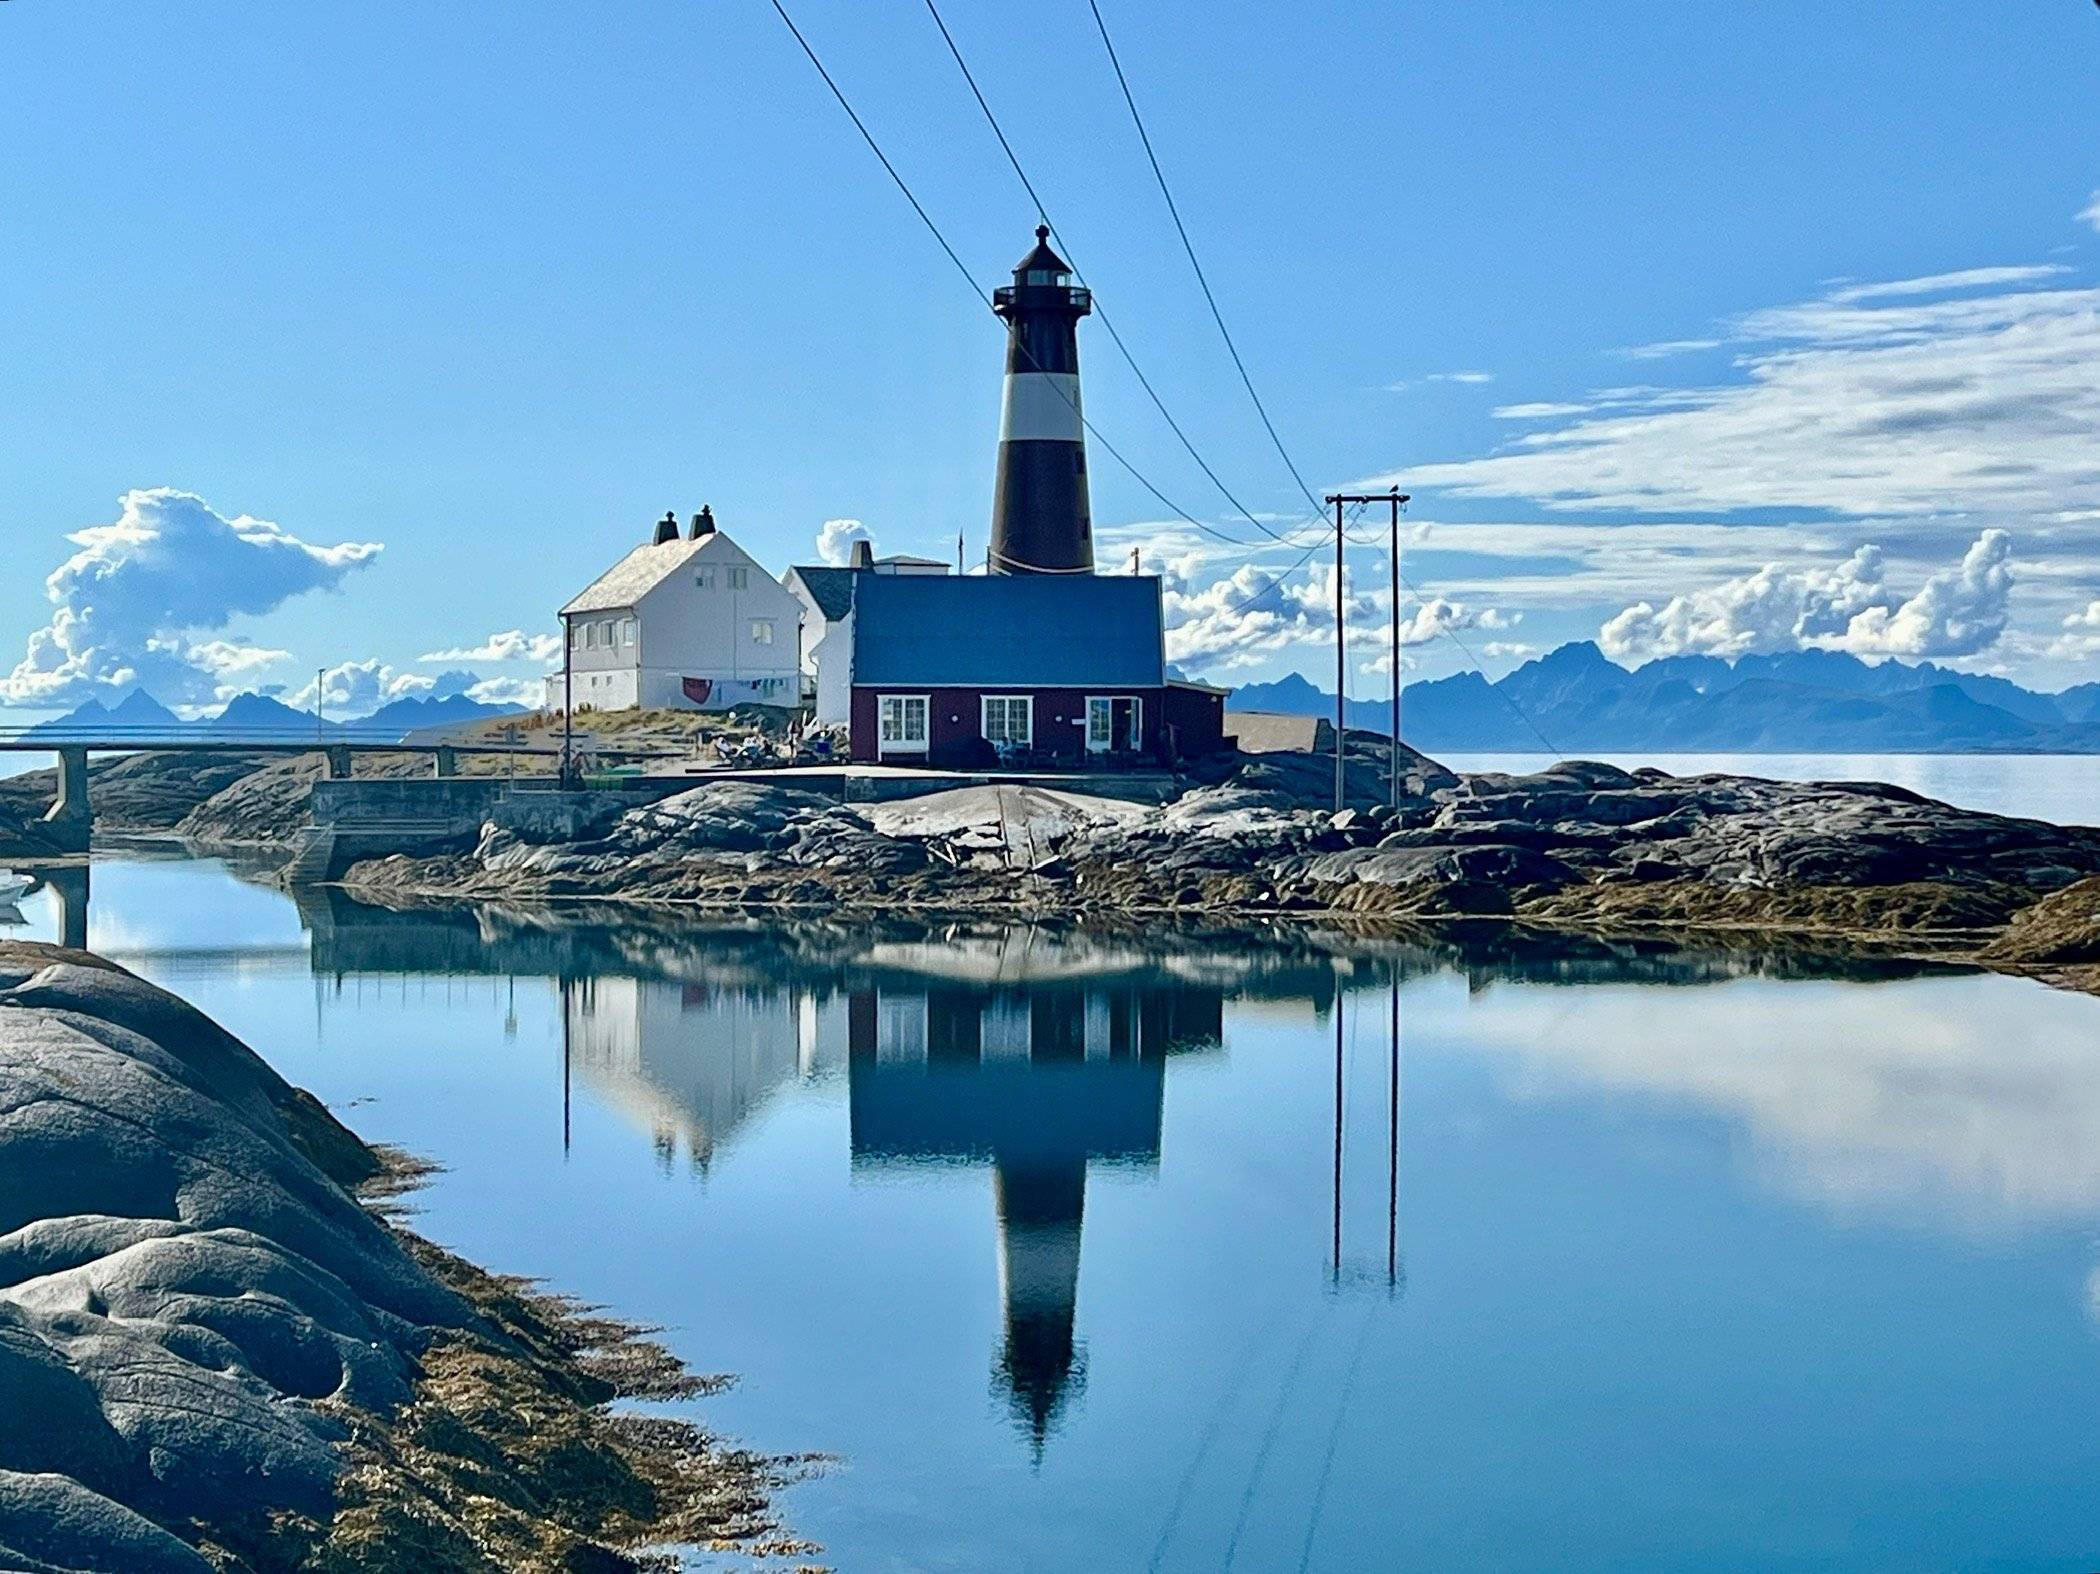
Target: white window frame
[(761, 631), (739, 577), (629, 630), (590, 636), (903, 744), (1108, 704), (985, 702), (704, 576)]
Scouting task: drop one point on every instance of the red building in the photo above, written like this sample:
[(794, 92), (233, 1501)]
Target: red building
[(1025, 670)]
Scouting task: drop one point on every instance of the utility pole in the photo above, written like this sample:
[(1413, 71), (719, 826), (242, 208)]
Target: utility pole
[(1133, 562), (568, 699), (1395, 497)]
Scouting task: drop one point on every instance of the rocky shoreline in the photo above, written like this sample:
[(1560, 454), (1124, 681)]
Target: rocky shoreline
[(1583, 846), (215, 1355)]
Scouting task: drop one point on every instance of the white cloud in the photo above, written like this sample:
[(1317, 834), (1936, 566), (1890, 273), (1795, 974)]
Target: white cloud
[(126, 604), (509, 645), (2090, 213), (357, 688), (1537, 410), (1473, 378), (1663, 349), (2081, 636), (508, 691), (1867, 401), (1242, 618), (835, 540), (1940, 283), (231, 661), (1956, 612)]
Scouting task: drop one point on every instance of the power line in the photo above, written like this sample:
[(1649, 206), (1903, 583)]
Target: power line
[(935, 230), (1188, 246), (1100, 310)]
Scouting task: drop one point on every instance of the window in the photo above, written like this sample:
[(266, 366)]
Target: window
[(1009, 720), (576, 633), (605, 633), (761, 631), (590, 636), (739, 578), (704, 578), (627, 631), (903, 719)]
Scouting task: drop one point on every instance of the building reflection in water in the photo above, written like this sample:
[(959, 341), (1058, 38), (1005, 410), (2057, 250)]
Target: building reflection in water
[(689, 1060), (1034, 1061), (1037, 1081)]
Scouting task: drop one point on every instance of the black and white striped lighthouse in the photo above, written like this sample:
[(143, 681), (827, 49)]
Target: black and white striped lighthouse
[(1041, 521)]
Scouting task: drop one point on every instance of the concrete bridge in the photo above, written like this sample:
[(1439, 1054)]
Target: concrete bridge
[(71, 817)]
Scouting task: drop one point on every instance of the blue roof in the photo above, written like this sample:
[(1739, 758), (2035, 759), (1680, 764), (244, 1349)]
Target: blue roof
[(1008, 631)]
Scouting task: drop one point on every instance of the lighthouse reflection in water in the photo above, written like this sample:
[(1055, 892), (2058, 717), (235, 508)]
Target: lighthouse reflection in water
[(1036, 1062)]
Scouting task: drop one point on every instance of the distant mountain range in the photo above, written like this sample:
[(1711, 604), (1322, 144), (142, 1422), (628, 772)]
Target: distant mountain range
[(258, 718), (1806, 702)]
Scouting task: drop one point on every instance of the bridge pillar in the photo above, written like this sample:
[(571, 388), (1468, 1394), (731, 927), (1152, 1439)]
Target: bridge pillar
[(338, 762), (446, 761), (69, 886), (69, 816)]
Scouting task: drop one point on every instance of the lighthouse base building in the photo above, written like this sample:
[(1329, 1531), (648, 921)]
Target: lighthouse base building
[(1023, 670)]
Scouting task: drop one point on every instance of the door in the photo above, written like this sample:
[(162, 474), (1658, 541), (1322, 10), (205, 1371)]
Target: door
[(1114, 722)]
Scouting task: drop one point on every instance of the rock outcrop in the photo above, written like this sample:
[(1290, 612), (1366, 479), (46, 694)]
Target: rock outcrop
[(209, 1348), (1582, 844)]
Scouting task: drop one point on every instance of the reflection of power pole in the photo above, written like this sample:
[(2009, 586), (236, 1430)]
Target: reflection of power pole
[(1339, 995), (564, 1067), (1395, 497), (1392, 1141)]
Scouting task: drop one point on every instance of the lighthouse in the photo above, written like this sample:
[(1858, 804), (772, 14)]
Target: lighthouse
[(1041, 521)]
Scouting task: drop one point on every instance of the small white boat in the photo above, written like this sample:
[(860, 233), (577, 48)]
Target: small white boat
[(13, 887)]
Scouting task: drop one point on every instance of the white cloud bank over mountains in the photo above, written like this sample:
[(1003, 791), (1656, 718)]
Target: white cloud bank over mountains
[(1957, 612), (129, 603), (131, 607), (1913, 397), (1930, 405), (1243, 618), (508, 645)]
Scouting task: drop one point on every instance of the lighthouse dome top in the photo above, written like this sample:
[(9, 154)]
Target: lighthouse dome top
[(1042, 265)]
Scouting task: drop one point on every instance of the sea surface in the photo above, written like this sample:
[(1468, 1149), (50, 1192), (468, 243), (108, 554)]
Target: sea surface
[(1056, 1242)]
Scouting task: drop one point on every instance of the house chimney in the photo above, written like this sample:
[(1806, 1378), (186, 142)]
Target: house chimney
[(703, 522), (863, 555), (667, 528)]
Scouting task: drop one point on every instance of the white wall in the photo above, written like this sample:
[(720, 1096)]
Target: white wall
[(705, 631)]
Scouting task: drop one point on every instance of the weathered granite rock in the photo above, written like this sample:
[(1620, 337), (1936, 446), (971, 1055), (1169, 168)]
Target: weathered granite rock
[(202, 1332), (179, 1280), (137, 792), (1581, 843), (2062, 928)]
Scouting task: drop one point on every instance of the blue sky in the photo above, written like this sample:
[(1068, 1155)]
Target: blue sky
[(490, 286)]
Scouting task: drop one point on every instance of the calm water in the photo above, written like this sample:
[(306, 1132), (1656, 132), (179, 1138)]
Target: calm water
[(1696, 1262)]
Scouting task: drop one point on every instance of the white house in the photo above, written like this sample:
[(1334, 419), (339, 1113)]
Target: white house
[(693, 623), (825, 594)]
